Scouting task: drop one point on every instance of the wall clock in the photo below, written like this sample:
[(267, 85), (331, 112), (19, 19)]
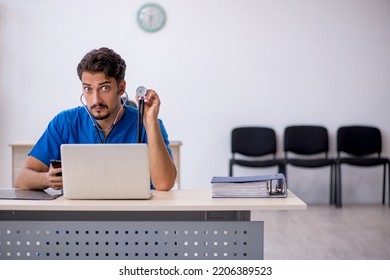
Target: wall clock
[(151, 17)]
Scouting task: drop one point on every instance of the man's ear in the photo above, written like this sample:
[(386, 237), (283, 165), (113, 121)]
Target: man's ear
[(122, 87)]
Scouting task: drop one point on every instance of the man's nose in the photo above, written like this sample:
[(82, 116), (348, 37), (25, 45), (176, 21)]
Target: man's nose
[(96, 97)]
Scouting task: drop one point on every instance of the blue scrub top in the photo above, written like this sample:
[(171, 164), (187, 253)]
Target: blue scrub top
[(74, 126)]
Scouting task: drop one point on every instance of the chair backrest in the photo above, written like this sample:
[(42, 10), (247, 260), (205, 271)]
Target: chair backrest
[(253, 141), (306, 139), (359, 140)]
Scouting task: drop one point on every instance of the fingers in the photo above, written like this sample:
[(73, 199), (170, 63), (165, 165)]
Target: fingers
[(55, 178), (151, 107), (151, 99), (151, 96), (57, 186)]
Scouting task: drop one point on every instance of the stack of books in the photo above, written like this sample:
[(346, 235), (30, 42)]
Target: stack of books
[(250, 186)]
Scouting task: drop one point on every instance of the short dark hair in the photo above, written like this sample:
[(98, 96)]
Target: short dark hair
[(103, 60)]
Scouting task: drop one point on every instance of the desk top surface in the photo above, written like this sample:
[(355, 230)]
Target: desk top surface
[(174, 200)]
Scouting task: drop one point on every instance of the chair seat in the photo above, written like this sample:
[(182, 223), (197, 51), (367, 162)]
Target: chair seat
[(254, 163), (310, 163), (359, 143), (309, 145), (258, 145), (364, 161)]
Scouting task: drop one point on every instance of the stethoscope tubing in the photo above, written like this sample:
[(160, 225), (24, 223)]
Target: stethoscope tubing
[(94, 122)]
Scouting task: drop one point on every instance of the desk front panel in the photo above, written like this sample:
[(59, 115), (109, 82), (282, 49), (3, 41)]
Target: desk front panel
[(21, 240)]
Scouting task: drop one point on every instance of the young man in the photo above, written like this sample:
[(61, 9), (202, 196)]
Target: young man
[(104, 119)]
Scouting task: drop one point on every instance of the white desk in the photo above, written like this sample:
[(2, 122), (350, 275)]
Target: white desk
[(180, 224), (175, 200)]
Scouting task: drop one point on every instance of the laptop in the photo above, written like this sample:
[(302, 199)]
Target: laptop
[(105, 171)]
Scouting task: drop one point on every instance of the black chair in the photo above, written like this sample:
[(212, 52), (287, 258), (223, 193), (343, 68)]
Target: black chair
[(310, 146), (359, 146), (258, 145)]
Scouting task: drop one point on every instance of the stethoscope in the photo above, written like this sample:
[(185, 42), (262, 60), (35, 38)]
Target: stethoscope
[(94, 122), (141, 93)]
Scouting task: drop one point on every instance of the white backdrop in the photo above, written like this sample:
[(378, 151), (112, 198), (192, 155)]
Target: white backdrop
[(216, 65)]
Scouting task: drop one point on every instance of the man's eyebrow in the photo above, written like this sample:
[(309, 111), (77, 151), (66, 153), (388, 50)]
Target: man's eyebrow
[(102, 83)]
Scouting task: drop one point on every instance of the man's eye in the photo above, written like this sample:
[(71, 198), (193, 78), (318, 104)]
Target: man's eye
[(105, 88), (87, 89)]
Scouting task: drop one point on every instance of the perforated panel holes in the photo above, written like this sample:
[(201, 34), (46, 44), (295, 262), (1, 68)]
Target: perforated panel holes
[(53, 240)]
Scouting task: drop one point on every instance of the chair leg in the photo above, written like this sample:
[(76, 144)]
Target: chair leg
[(388, 180), (384, 183), (230, 169), (338, 186), (332, 199), (282, 169)]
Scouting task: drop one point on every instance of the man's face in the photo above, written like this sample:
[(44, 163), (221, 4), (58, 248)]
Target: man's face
[(102, 94)]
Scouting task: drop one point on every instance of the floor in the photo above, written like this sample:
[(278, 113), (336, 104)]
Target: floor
[(323, 232)]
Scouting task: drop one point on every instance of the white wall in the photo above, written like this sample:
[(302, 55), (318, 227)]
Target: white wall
[(216, 65)]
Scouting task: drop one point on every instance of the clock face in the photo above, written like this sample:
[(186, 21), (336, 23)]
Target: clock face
[(151, 17)]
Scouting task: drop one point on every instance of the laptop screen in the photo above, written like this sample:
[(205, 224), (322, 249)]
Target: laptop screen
[(105, 171)]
